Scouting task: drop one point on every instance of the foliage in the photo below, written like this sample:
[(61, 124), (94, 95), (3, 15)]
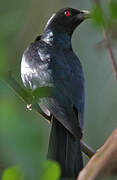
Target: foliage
[(104, 16), (113, 9), (51, 170), (13, 173), (97, 15)]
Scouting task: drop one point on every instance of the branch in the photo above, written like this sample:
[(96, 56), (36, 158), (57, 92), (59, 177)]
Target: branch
[(28, 99), (86, 149), (104, 162)]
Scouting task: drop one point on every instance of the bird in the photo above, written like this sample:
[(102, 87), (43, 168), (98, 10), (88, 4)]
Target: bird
[(49, 61)]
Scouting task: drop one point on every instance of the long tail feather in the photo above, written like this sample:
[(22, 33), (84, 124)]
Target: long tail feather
[(65, 149)]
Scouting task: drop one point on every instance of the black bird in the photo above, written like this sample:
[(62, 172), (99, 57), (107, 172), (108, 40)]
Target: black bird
[(50, 61)]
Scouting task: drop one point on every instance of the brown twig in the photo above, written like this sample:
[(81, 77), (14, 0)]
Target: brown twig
[(110, 52), (28, 100), (86, 149)]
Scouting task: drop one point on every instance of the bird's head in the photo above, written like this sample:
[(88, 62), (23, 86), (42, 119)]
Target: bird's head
[(66, 20)]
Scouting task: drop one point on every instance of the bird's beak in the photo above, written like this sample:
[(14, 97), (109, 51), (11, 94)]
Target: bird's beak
[(84, 14)]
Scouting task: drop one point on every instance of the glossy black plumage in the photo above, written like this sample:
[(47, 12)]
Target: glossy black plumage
[(50, 61)]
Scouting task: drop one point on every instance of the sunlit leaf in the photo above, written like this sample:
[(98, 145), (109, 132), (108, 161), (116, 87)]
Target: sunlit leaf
[(13, 173), (51, 171), (113, 8)]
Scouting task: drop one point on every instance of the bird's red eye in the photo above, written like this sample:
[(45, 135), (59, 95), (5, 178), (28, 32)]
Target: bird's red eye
[(67, 13)]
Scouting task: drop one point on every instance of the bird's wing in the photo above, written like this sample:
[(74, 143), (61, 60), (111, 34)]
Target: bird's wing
[(61, 108), (39, 69), (69, 79)]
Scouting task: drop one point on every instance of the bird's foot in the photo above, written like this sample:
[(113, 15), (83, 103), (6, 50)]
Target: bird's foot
[(29, 107)]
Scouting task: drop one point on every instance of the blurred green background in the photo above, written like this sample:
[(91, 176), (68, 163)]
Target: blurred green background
[(23, 134)]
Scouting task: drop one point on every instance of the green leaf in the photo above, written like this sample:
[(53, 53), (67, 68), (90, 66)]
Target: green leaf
[(97, 15), (113, 8), (51, 171), (43, 92), (13, 173)]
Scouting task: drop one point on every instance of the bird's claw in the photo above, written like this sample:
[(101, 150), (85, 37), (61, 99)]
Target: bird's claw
[(29, 107)]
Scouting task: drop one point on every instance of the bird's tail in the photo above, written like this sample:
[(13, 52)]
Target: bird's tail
[(65, 149)]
